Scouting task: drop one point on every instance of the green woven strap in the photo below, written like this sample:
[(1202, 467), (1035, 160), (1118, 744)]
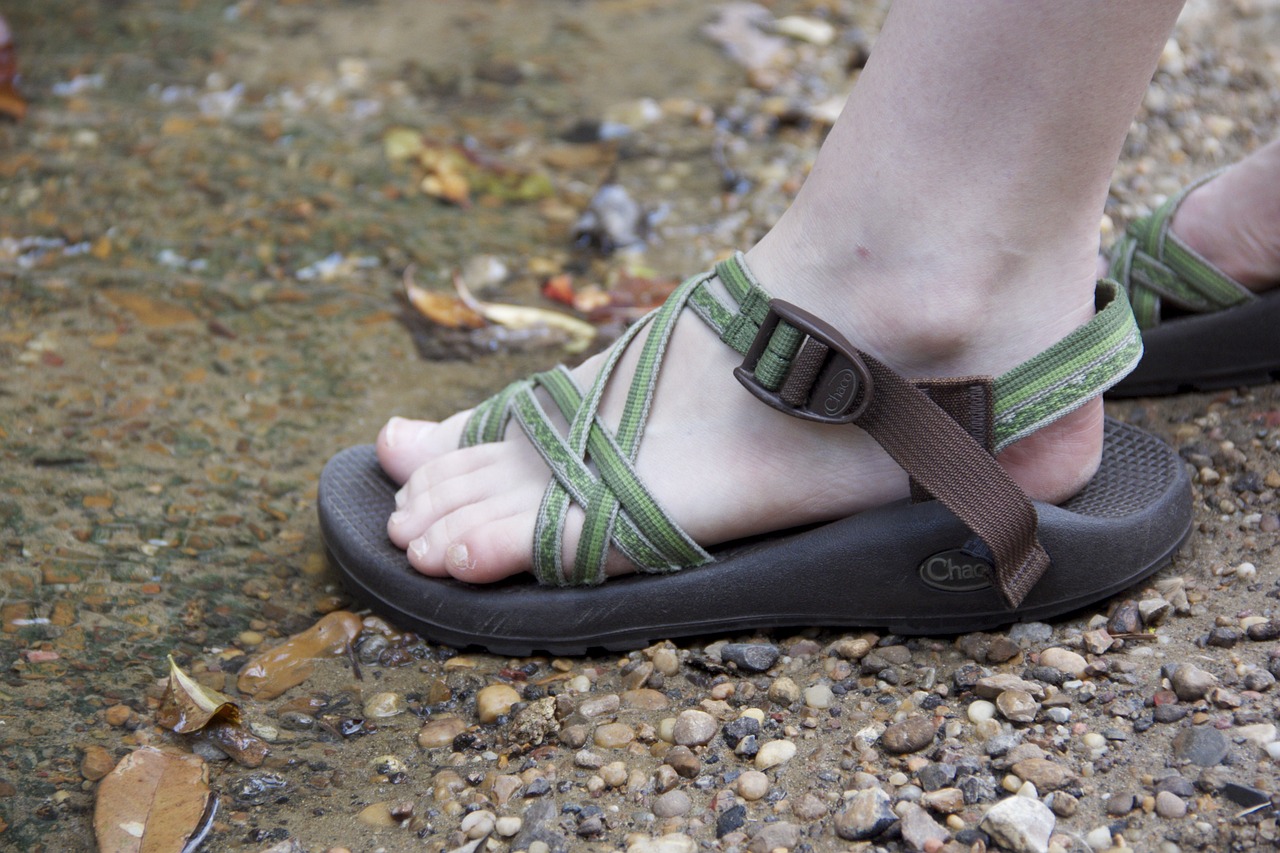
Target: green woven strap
[(593, 466), (1078, 368), (1155, 266)]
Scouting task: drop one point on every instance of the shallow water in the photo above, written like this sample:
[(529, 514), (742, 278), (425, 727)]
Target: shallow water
[(177, 368)]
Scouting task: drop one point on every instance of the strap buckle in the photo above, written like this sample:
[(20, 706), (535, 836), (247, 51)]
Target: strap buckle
[(827, 380)]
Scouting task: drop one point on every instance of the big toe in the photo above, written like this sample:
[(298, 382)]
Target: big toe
[(406, 445)]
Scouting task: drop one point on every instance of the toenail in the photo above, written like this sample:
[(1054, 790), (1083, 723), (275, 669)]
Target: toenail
[(398, 518), (458, 557), (401, 499), (418, 548), (390, 430)]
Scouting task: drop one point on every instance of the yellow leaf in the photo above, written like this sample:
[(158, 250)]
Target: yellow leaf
[(448, 311), (274, 671)]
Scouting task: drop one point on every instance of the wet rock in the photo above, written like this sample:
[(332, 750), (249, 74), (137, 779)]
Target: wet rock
[(575, 736), (674, 803), (1170, 806), (919, 829), (495, 701), (852, 648), (1022, 824), (614, 735), (599, 705), (694, 728), (750, 657), (775, 836), (773, 753), (911, 735), (1204, 746), (1191, 683), (868, 813), (385, 704), (96, 763), (440, 731)]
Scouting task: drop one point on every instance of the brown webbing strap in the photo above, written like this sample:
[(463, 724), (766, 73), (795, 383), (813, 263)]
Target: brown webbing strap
[(970, 401), (942, 457), (831, 381)]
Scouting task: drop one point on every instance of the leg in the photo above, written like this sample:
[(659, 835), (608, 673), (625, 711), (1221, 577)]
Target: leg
[(949, 227)]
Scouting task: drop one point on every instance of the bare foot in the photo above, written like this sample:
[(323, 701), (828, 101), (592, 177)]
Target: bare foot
[(723, 464)]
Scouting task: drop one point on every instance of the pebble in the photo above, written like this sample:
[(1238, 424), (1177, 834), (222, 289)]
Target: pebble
[(809, 808), (1098, 838), (911, 735), (478, 824), (750, 657), (673, 842), (1259, 734), (991, 686), (944, 800), (495, 701), (775, 836), (1204, 746), (96, 763), (614, 735), (1021, 824), (1017, 706), (682, 760), (1191, 683), (919, 829), (599, 705), (1045, 774), (1127, 619), (784, 691), (868, 813), (1170, 806), (819, 696), (666, 661), (751, 785), (981, 709), (440, 731), (385, 704), (1064, 660), (694, 728), (645, 699), (773, 753), (674, 803), (118, 715)]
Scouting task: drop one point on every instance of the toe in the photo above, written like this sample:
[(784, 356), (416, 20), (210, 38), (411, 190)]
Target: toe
[(474, 545), (405, 445)]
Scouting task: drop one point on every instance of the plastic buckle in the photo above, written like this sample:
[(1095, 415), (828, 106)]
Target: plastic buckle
[(841, 389)]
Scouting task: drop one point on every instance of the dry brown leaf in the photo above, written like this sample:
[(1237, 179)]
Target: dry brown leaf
[(189, 706), (154, 801), (154, 313), (448, 311), (270, 673)]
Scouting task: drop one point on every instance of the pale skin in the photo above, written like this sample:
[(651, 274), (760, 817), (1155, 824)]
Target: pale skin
[(949, 227)]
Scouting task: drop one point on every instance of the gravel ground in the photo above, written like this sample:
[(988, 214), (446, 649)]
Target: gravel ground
[(202, 230)]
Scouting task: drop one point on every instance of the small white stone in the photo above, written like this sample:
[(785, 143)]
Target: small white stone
[(1099, 838), (1093, 740), (1246, 571), (507, 825), (819, 696), (477, 824), (981, 709)]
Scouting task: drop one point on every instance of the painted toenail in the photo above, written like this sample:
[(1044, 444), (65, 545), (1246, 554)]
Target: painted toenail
[(418, 548), (401, 499), (458, 558)]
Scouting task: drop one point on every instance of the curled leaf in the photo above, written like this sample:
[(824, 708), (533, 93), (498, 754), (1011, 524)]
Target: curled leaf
[(154, 800), (189, 706), (578, 333), (442, 309)]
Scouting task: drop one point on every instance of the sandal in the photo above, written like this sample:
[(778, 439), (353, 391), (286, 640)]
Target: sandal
[(1202, 329), (968, 552)]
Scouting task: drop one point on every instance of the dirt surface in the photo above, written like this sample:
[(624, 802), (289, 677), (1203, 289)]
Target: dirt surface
[(202, 236)]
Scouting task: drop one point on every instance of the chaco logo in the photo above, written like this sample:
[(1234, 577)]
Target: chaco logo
[(956, 571), (838, 392)]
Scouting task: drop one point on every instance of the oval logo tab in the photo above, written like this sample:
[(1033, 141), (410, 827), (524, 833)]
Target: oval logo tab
[(839, 392), (956, 571)]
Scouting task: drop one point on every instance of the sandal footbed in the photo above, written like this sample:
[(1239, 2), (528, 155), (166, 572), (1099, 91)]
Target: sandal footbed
[(862, 571), (1206, 352)]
